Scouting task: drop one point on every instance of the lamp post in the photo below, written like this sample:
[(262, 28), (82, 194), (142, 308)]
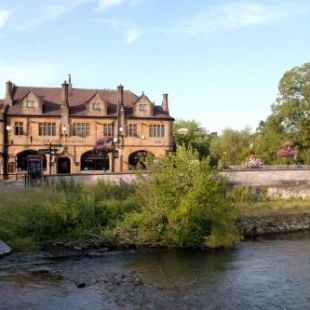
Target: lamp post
[(6, 152), (65, 134), (52, 151)]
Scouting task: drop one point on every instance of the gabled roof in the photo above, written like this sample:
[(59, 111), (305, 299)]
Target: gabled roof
[(77, 97)]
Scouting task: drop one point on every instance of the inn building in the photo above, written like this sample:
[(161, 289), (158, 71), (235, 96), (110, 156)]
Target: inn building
[(75, 130)]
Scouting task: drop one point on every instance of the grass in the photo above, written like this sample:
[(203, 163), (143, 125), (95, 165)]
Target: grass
[(274, 207), (77, 212), (58, 213)]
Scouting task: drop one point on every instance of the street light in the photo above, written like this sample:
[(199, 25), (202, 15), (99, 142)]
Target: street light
[(6, 152)]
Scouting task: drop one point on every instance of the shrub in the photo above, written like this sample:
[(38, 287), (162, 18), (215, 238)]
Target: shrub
[(183, 203)]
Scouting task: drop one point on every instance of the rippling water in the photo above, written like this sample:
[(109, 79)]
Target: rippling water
[(269, 273)]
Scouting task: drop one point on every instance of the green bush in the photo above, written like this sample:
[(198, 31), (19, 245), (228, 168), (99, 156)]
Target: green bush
[(183, 203)]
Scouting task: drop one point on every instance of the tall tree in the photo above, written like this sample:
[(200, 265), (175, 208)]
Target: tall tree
[(192, 135), (232, 146), (290, 117)]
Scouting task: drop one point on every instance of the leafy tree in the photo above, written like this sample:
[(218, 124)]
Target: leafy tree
[(290, 117), (191, 135), (183, 203), (232, 146)]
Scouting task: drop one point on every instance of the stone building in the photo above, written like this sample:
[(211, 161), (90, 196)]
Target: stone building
[(74, 130)]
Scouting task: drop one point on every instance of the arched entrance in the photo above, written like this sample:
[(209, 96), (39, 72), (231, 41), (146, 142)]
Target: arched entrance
[(64, 165), (22, 162), (95, 161), (137, 159)]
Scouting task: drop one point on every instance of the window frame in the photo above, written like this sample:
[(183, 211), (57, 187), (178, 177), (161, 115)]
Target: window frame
[(96, 106), (18, 128), (107, 129), (132, 130), (80, 129), (157, 130), (47, 129)]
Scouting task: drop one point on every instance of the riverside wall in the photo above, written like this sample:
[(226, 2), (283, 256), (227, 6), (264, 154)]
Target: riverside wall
[(276, 182)]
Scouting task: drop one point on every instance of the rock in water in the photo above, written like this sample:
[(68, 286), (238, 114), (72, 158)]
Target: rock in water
[(4, 249)]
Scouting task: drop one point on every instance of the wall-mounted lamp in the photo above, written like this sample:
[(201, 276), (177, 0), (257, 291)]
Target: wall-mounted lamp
[(8, 128), (64, 130)]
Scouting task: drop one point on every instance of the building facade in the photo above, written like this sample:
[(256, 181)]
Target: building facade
[(74, 130)]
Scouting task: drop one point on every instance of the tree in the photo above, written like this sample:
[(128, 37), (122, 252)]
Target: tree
[(290, 117), (183, 203), (232, 146), (191, 135)]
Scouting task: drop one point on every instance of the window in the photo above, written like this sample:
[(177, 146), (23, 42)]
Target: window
[(108, 129), (132, 132), (80, 129), (30, 104), (96, 105), (142, 107), (18, 129), (47, 129), (157, 130)]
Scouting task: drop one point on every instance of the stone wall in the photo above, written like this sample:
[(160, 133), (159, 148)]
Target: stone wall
[(261, 225), (277, 183), (283, 183)]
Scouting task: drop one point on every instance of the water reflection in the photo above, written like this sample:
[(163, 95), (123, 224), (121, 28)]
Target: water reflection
[(268, 273)]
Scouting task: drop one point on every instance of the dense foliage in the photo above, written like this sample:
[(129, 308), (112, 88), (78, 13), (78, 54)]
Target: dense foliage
[(182, 202), (232, 146), (191, 135), (290, 117)]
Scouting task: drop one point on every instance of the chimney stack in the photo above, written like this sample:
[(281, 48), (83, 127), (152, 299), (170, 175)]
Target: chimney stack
[(164, 104), (69, 81), (9, 90), (120, 95), (64, 93)]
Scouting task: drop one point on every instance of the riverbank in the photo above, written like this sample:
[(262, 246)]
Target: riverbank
[(249, 226), (253, 226)]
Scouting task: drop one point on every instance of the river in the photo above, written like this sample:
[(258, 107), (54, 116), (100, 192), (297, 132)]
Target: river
[(266, 273)]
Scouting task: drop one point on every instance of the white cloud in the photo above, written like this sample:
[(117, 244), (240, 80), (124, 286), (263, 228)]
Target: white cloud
[(30, 13), (132, 35), (4, 16), (103, 4), (237, 15), (241, 15)]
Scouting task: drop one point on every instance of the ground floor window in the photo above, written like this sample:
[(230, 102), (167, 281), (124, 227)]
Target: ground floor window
[(137, 159), (95, 161), (22, 160)]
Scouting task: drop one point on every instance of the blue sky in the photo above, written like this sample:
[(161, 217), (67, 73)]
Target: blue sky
[(219, 61)]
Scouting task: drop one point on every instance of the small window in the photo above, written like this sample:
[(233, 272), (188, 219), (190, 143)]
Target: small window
[(132, 130), (18, 129), (142, 107), (108, 130), (47, 129), (30, 104), (96, 105), (157, 131), (80, 129)]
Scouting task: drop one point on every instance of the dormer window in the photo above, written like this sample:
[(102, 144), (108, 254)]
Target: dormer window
[(96, 105), (142, 107), (30, 104)]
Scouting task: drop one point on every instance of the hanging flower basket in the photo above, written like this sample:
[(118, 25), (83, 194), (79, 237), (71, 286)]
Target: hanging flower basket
[(104, 144)]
